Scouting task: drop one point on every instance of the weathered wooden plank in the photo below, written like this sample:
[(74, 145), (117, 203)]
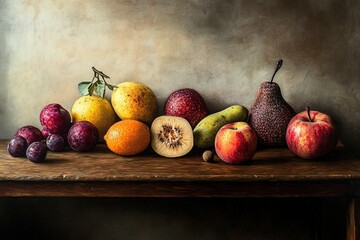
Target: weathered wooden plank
[(102, 165), (173, 189)]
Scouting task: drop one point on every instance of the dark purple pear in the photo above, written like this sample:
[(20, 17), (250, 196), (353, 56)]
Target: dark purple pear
[(270, 114)]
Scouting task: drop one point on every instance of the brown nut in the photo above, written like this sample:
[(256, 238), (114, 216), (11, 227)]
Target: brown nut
[(208, 156)]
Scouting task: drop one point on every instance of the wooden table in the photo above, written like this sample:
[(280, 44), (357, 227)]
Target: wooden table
[(101, 173)]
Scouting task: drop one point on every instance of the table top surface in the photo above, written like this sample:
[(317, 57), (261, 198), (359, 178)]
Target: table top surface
[(276, 164)]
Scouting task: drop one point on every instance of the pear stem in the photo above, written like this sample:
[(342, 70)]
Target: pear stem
[(278, 66), (308, 112)]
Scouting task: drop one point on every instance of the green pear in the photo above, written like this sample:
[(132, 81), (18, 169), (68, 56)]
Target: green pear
[(205, 131)]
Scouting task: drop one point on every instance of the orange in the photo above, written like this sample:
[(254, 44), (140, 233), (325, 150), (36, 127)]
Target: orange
[(128, 137)]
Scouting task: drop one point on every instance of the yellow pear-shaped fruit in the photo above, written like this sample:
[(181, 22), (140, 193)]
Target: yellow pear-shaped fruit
[(132, 100)]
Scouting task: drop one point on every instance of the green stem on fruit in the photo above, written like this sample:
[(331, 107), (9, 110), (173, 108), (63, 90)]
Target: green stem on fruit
[(100, 73), (96, 85), (308, 112), (278, 66)]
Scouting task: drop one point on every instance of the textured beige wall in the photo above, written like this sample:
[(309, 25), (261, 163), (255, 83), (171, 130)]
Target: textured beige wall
[(224, 49)]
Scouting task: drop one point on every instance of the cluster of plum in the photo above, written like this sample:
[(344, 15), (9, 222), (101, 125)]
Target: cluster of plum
[(57, 132)]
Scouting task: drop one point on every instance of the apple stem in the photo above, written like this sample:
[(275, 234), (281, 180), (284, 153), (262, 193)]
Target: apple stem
[(278, 66), (308, 112)]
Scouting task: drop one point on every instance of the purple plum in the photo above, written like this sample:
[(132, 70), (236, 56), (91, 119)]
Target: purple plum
[(45, 133), (17, 146), (83, 136), (30, 133), (55, 118), (55, 143), (36, 152)]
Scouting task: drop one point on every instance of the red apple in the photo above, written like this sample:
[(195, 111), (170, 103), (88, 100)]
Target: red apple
[(235, 143), (311, 134)]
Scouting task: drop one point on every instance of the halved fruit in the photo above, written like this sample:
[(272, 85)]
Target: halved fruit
[(171, 136)]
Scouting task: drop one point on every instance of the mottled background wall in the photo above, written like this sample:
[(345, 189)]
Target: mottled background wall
[(224, 49)]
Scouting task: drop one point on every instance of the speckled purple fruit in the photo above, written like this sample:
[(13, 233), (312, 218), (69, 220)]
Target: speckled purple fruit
[(30, 133), (45, 133), (55, 143), (17, 146), (186, 103), (55, 118), (36, 152), (83, 136), (270, 115)]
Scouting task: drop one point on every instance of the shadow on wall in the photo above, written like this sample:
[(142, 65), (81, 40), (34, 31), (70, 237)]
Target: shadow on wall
[(4, 60)]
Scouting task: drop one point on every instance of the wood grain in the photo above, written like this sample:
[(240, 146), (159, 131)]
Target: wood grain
[(171, 189), (101, 173), (272, 172), (353, 219)]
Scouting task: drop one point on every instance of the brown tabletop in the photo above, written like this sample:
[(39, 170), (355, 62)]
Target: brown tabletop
[(101, 173), (272, 172)]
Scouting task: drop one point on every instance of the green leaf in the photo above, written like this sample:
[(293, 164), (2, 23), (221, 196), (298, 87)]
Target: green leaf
[(100, 88), (97, 84), (84, 88)]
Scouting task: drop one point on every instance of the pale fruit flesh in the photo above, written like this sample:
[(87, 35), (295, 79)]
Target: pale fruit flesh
[(171, 136)]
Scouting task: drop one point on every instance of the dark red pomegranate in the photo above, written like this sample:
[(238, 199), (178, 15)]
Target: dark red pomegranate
[(186, 103)]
